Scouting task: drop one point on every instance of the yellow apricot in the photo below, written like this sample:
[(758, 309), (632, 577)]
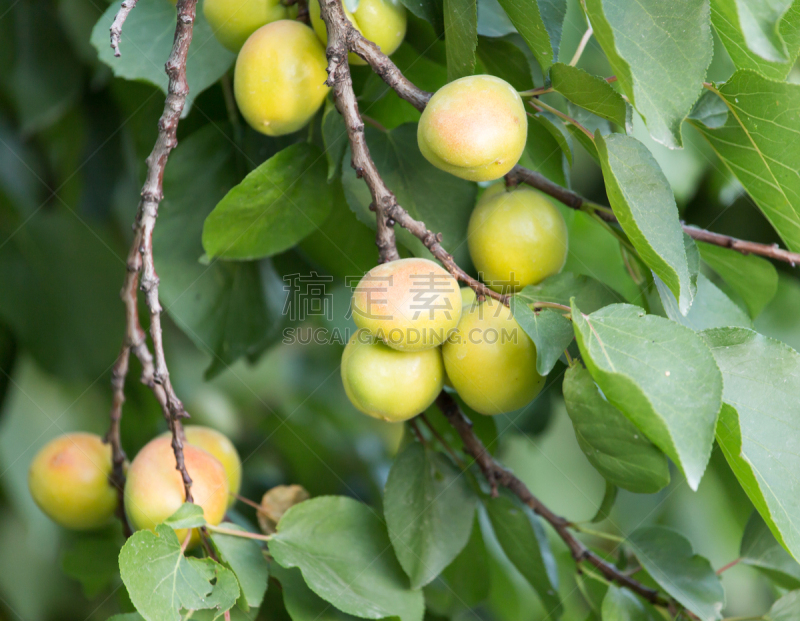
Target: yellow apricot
[(154, 489), (516, 238), (381, 21), (234, 20), (389, 384), (410, 304), (279, 80), (491, 361), (474, 128), (68, 479), (219, 446)]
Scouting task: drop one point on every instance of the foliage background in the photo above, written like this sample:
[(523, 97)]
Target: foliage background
[(73, 138)]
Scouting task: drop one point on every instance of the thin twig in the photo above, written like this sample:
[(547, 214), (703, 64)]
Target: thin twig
[(725, 568), (496, 475), (581, 46), (119, 20)]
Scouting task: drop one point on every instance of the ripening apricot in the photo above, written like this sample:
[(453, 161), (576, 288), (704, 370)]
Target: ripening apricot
[(474, 128), (381, 21), (516, 237), (234, 20), (219, 446), (410, 304), (279, 80), (68, 479), (154, 489), (389, 384), (491, 361)]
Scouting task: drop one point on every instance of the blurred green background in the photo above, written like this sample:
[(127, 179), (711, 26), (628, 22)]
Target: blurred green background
[(73, 139)]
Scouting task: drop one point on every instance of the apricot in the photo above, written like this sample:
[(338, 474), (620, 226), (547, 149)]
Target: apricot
[(219, 446), (154, 489), (68, 479), (491, 361), (410, 304), (279, 79), (516, 237), (234, 20), (381, 21), (474, 128), (389, 384)]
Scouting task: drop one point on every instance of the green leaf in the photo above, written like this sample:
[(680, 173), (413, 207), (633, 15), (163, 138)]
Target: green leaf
[(146, 44), (668, 557), (611, 443), (189, 515), (622, 605), (502, 58), (461, 37), (750, 135), (755, 279), (590, 92), (557, 130), (757, 426), (760, 22), (277, 205), (728, 22), (344, 552), (645, 207), (161, 581), (660, 374), (228, 309), (524, 542), (589, 294), (334, 134), (442, 201), (607, 504), (429, 10), (540, 24), (246, 560), (787, 608), (549, 330), (429, 509), (659, 62), (92, 560), (302, 603), (711, 307), (760, 549), (544, 153)]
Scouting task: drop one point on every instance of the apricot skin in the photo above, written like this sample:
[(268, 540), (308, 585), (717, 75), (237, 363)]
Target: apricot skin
[(219, 446), (411, 304), (388, 384), (516, 232), (474, 128), (279, 80), (233, 21), (154, 489), (68, 479), (381, 21), (492, 377)]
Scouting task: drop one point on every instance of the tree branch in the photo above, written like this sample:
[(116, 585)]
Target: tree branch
[(391, 74), (119, 20), (496, 475)]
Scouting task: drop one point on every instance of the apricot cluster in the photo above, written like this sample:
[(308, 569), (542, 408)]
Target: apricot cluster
[(69, 480)]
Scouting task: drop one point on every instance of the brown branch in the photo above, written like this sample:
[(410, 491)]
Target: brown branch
[(391, 74), (116, 25), (497, 475)]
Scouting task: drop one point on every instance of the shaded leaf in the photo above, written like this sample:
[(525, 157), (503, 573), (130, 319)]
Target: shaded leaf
[(429, 509), (669, 559), (334, 134), (461, 37), (787, 608), (557, 130), (622, 605), (302, 603), (760, 549), (645, 207), (590, 92), (660, 374), (590, 294), (524, 542), (607, 504), (344, 552), (549, 330), (92, 560), (429, 10), (711, 307), (246, 560), (146, 44), (747, 125), (754, 278), (502, 58), (277, 205), (662, 67), (757, 426), (613, 445), (540, 24)]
